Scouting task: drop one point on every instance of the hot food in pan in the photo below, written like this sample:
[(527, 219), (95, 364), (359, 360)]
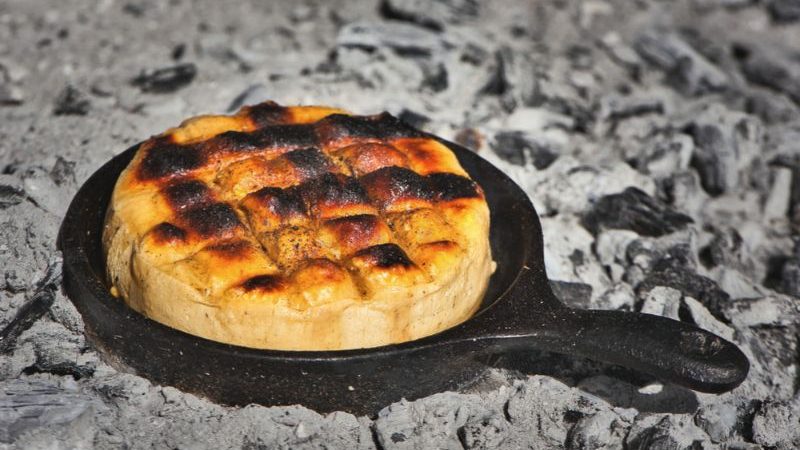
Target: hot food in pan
[(298, 228)]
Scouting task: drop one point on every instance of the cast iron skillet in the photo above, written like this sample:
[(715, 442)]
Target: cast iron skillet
[(519, 311)]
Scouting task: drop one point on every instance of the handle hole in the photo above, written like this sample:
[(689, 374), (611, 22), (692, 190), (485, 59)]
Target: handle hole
[(700, 343)]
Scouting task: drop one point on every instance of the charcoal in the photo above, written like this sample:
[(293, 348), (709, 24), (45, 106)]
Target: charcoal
[(634, 210), (666, 432), (255, 93), (405, 39), (72, 102), (775, 424), (615, 108), (517, 148), (63, 171), (719, 420), (11, 191), (667, 273), (435, 78), (11, 95), (47, 410), (414, 119), (486, 433), (166, 79), (684, 66), (575, 295), (430, 14), (773, 70), (784, 11)]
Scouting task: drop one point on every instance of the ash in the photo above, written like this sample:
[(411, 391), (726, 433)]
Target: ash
[(657, 140)]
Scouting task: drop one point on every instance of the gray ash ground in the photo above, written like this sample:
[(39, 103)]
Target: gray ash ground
[(659, 141)]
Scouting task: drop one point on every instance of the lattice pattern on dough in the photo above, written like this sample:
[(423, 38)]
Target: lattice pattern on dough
[(276, 199)]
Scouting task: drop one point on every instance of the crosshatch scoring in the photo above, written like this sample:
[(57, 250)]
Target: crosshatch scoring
[(298, 206)]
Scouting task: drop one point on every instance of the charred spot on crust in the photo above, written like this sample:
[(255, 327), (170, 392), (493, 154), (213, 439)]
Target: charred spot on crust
[(167, 232), (213, 219), (389, 184), (273, 136), (284, 203), (295, 136), (267, 113), (380, 126), (385, 256), (186, 194), (309, 162), (449, 186), (230, 249), (352, 230), (263, 283), (165, 158), (234, 141), (331, 189)]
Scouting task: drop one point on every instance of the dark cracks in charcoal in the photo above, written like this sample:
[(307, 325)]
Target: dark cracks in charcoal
[(27, 314), (676, 274), (167, 79), (685, 68), (71, 102), (431, 14), (634, 210), (518, 148)]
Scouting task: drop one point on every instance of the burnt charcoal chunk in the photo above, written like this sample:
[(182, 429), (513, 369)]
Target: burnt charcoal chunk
[(574, 295), (790, 278), (167, 79), (671, 272), (634, 210), (784, 11), (385, 256), (309, 162), (263, 283), (414, 119), (516, 148), (772, 70), (214, 219), (267, 113), (685, 67), (707, 158), (11, 191), (381, 126), (393, 183), (435, 78), (72, 102), (430, 14), (187, 194), (165, 158), (449, 186)]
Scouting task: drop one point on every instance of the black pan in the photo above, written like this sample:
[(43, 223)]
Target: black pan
[(519, 311)]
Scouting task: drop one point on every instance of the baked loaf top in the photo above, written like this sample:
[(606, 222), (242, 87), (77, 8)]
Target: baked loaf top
[(298, 228)]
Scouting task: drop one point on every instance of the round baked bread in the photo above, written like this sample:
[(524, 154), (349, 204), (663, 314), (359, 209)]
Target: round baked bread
[(298, 228)]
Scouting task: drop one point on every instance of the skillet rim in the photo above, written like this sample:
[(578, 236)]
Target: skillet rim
[(79, 269)]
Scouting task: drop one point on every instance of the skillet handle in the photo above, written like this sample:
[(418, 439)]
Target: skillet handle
[(668, 349), (678, 352)]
